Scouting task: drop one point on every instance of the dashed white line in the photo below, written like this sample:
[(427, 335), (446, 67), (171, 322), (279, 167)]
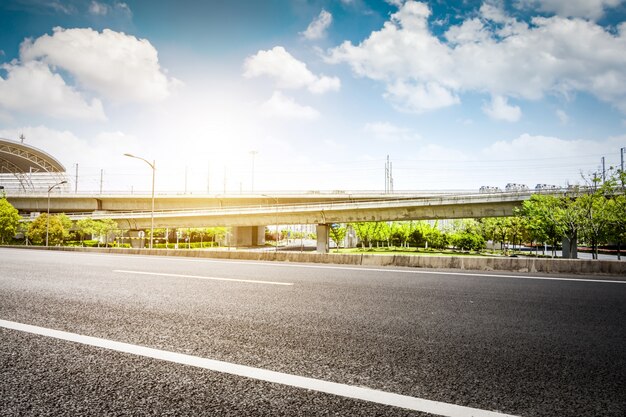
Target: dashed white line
[(162, 274), (349, 391)]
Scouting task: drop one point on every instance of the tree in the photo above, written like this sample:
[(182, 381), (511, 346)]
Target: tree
[(104, 227), (365, 231), (383, 233), (9, 220), (616, 213), (545, 217), (337, 233), (58, 229), (85, 227), (517, 229), (496, 229)]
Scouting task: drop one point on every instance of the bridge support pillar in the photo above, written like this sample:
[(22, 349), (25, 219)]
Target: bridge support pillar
[(570, 247), (322, 238), (248, 236)]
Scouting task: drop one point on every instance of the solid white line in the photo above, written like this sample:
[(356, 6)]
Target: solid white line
[(201, 277), (368, 269), (359, 393), (363, 268)]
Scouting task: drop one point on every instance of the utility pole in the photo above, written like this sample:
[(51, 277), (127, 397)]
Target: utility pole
[(622, 157), (76, 180), (101, 179), (388, 176), (603, 171), (253, 153), (208, 178), (225, 179)]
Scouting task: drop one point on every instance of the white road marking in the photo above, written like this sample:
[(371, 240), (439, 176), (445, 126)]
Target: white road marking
[(348, 268), (368, 269), (349, 391), (121, 271)]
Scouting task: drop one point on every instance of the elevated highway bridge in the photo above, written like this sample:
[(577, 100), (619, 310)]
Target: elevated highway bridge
[(249, 214)]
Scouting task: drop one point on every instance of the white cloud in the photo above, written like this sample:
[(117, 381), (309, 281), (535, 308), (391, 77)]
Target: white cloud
[(123, 8), (563, 117), (389, 132), (418, 98), (555, 154), (280, 106), (397, 3), (317, 28), (113, 64), (590, 9), (499, 109), (69, 148), (552, 55), (98, 9), (287, 71), (33, 88)]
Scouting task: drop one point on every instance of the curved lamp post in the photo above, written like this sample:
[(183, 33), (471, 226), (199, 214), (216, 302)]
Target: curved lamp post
[(48, 216), (153, 166)]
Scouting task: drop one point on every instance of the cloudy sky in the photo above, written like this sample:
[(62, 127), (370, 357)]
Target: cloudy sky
[(459, 94)]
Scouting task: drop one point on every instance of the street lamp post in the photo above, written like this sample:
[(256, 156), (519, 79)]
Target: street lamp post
[(48, 212), (153, 166)]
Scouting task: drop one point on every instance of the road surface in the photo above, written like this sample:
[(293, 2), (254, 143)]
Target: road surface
[(97, 334)]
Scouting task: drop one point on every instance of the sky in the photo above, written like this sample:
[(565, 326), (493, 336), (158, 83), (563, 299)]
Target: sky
[(305, 95)]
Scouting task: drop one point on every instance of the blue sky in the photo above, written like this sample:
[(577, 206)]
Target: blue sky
[(458, 94)]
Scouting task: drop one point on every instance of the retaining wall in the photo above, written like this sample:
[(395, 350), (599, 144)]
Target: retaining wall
[(555, 266)]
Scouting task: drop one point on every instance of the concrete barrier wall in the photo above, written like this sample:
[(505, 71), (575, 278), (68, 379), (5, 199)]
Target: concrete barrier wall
[(532, 265)]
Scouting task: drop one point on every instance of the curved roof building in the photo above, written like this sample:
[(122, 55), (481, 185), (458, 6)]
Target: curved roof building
[(26, 168)]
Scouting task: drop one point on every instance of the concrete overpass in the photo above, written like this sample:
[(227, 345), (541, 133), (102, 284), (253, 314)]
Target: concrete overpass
[(248, 215), (248, 221), (77, 203)]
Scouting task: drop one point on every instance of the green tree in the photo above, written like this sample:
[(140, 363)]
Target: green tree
[(105, 227), (616, 213), (85, 227), (58, 229), (383, 233), (366, 231), (337, 233), (518, 231), (545, 217), (467, 241), (9, 220)]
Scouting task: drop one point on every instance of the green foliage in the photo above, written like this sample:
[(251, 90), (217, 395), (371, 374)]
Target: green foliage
[(366, 232), (58, 229), (337, 233), (465, 240), (9, 220)]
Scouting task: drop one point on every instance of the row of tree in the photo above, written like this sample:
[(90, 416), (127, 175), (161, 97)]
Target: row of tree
[(593, 215)]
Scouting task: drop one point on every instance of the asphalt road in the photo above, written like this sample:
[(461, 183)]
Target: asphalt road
[(527, 347)]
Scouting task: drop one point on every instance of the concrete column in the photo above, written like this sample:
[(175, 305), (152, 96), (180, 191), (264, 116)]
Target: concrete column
[(137, 239), (322, 238), (570, 248), (248, 236)]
